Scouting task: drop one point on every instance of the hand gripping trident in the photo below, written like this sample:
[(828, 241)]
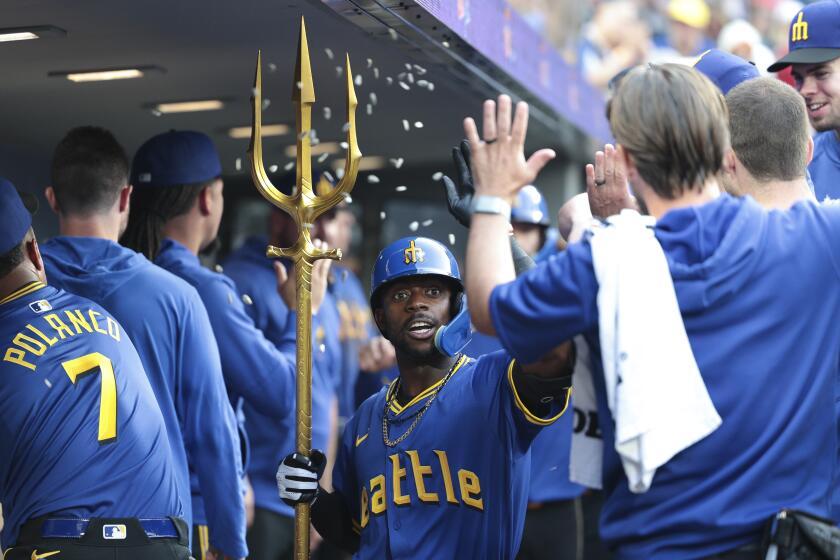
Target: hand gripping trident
[(304, 207)]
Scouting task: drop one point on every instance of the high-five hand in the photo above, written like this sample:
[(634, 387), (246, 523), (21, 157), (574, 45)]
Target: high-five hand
[(499, 167)]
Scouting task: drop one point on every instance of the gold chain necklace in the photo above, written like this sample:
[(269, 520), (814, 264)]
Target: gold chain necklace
[(385, 430)]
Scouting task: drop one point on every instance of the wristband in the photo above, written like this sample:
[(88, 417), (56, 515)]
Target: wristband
[(483, 204)]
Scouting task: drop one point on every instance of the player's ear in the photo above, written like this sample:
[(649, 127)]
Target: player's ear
[(49, 194), (379, 319), (810, 151), (205, 201), (33, 253), (124, 198), (730, 161)]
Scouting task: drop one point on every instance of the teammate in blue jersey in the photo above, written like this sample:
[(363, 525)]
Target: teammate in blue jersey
[(727, 257), (176, 208), (436, 464), (271, 537), (86, 471), (163, 316), (814, 54), (551, 524)]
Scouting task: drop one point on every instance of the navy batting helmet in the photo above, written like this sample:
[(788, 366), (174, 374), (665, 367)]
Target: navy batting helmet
[(530, 207), (421, 256)]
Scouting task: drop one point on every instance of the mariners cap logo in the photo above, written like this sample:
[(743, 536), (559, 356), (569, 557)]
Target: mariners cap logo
[(413, 253), (799, 29), (40, 306)]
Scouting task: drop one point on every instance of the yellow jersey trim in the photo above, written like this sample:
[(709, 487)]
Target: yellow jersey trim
[(357, 528), (530, 416), (20, 292), (395, 406)]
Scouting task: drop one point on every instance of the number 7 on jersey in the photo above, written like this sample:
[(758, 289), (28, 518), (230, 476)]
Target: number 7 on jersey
[(80, 367)]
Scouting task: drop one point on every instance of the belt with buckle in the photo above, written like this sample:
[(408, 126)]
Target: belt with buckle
[(160, 528)]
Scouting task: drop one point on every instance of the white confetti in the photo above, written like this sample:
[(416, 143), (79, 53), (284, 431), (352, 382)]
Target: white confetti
[(418, 124), (389, 80), (407, 66), (289, 166), (299, 85), (47, 383), (420, 70), (406, 125), (254, 92), (339, 172), (445, 44), (315, 141), (323, 348), (344, 145), (410, 78), (239, 164), (327, 113), (339, 71), (313, 134), (329, 53), (272, 67), (373, 98), (376, 73), (369, 109), (401, 76), (405, 86), (422, 83), (370, 62), (156, 113), (323, 157), (329, 176), (358, 80), (246, 299), (437, 176), (401, 188), (372, 178), (382, 215), (413, 226), (393, 33), (452, 239), (266, 103), (218, 268), (427, 223), (272, 169), (348, 199), (345, 127), (230, 298), (397, 162), (431, 86)]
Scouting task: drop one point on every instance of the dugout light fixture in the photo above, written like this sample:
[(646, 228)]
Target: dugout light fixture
[(11, 34), (189, 106), (105, 74), (267, 130), (316, 150), (367, 163)]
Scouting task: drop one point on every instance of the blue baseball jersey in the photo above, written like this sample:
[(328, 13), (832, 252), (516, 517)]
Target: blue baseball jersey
[(550, 448), (81, 433), (457, 485), (254, 275), (825, 166), (356, 328), (253, 367), (168, 324), (767, 354)]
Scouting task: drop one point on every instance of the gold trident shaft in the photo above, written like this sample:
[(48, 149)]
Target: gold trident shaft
[(304, 207)]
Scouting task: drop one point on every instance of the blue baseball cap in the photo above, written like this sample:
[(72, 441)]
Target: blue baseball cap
[(814, 36), (725, 70), (529, 207), (177, 157), (15, 218)]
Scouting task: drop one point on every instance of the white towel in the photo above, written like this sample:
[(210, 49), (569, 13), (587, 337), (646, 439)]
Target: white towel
[(655, 393)]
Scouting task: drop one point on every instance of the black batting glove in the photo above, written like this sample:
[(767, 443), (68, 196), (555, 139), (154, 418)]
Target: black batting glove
[(459, 199), (298, 476)]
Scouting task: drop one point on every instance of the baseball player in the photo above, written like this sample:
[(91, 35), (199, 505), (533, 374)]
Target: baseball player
[(814, 54), (271, 537), (437, 463), (86, 472), (551, 524), (163, 316), (725, 70), (176, 209), (727, 258)]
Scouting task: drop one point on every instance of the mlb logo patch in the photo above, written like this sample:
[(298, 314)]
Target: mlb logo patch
[(40, 306), (144, 178), (113, 532)]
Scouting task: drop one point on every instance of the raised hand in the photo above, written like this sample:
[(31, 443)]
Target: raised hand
[(606, 184), (459, 199), (499, 167)]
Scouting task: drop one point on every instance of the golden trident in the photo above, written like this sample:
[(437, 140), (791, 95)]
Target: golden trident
[(304, 207)]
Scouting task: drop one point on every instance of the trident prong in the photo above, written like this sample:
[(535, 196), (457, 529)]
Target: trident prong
[(304, 207)]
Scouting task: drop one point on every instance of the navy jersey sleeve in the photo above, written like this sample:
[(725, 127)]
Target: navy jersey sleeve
[(547, 305), (253, 367), (210, 431), (344, 473)]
